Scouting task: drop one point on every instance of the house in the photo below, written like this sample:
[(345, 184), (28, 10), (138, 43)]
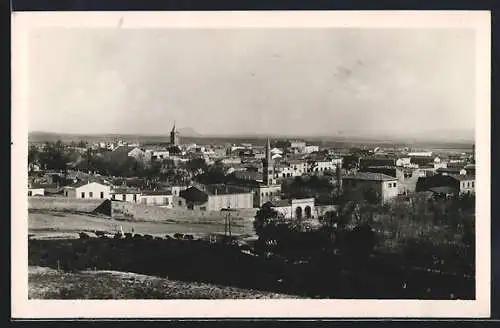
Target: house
[(310, 149), (321, 166), (125, 194), (457, 184), (155, 153), (88, 190), (156, 197), (384, 186), (470, 169), (177, 189), (377, 160), (451, 171), (294, 208), (291, 168), (248, 175), (297, 144), (420, 154), (216, 198), (36, 190), (137, 153), (422, 160), (466, 183)]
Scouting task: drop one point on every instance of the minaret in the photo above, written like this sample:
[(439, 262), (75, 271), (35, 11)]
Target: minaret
[(267, 166), (174, 136)]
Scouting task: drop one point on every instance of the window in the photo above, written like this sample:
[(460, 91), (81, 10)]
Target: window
[(165, 200), (91, 194), (124, 197), (66, 193), (30, 193), (472, 184), (113, 197), (135, 198), (102, 194), (83, 195)]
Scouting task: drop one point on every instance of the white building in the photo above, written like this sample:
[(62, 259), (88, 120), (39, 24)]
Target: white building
[(298, 144), (137, 153), (295, 208), (420, 154), (310, 149), (322, 166), (34, 190), (403, 161), (292, 168), (86, 190), (158, 198), (125, 195)]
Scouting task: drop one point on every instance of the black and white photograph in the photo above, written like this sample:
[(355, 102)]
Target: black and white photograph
[(310, 164)]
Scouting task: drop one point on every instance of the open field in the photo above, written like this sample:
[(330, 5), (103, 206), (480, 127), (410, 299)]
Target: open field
[(46, 283), (45, 223)]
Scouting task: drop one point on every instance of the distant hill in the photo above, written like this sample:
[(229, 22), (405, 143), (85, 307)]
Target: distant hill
[(188, 132), (342, 140)]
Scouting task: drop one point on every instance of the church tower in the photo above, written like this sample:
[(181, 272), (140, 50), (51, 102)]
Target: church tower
[(174, 136), (268, 166)]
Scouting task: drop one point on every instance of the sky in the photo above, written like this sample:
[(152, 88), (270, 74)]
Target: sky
[(328, 81)]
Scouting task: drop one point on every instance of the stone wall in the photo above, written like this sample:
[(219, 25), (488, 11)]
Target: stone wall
[(64, 204), (156, 213)]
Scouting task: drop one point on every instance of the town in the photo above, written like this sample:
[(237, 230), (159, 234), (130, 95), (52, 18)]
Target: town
[(288, 200)]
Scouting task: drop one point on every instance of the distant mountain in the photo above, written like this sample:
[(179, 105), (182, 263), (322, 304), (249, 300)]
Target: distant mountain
[(188, 132)]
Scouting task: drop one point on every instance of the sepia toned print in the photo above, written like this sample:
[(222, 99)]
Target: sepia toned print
[(272, 164)]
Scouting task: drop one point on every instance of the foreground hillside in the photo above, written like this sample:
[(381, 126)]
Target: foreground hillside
[(46, 283)]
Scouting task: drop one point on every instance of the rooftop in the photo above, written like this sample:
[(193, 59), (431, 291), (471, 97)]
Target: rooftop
[(449, 169), (156, 193), (462, 177), (370, 176)]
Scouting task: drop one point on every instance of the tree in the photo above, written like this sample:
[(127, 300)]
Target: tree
[(53, 156), (196, 165), (33, 154), (267, 222), (361, 241)]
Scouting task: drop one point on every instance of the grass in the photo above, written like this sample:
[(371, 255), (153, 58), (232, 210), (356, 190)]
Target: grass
[(45, 283), (49, 222)]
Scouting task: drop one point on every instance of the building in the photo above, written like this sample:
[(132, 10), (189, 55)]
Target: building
[(174, 136), (156, 197), (86, 190), (298, 144), (216, 198), (383, 186), (268, 166), (294, 208), (377, 160), (420, 154), (456, 184), (36, 190), (310, 149), (291, 168), (138, 154), (248, 175), (177, 189), (125, 194), (321, 166), (451, 171), (470, 169)]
